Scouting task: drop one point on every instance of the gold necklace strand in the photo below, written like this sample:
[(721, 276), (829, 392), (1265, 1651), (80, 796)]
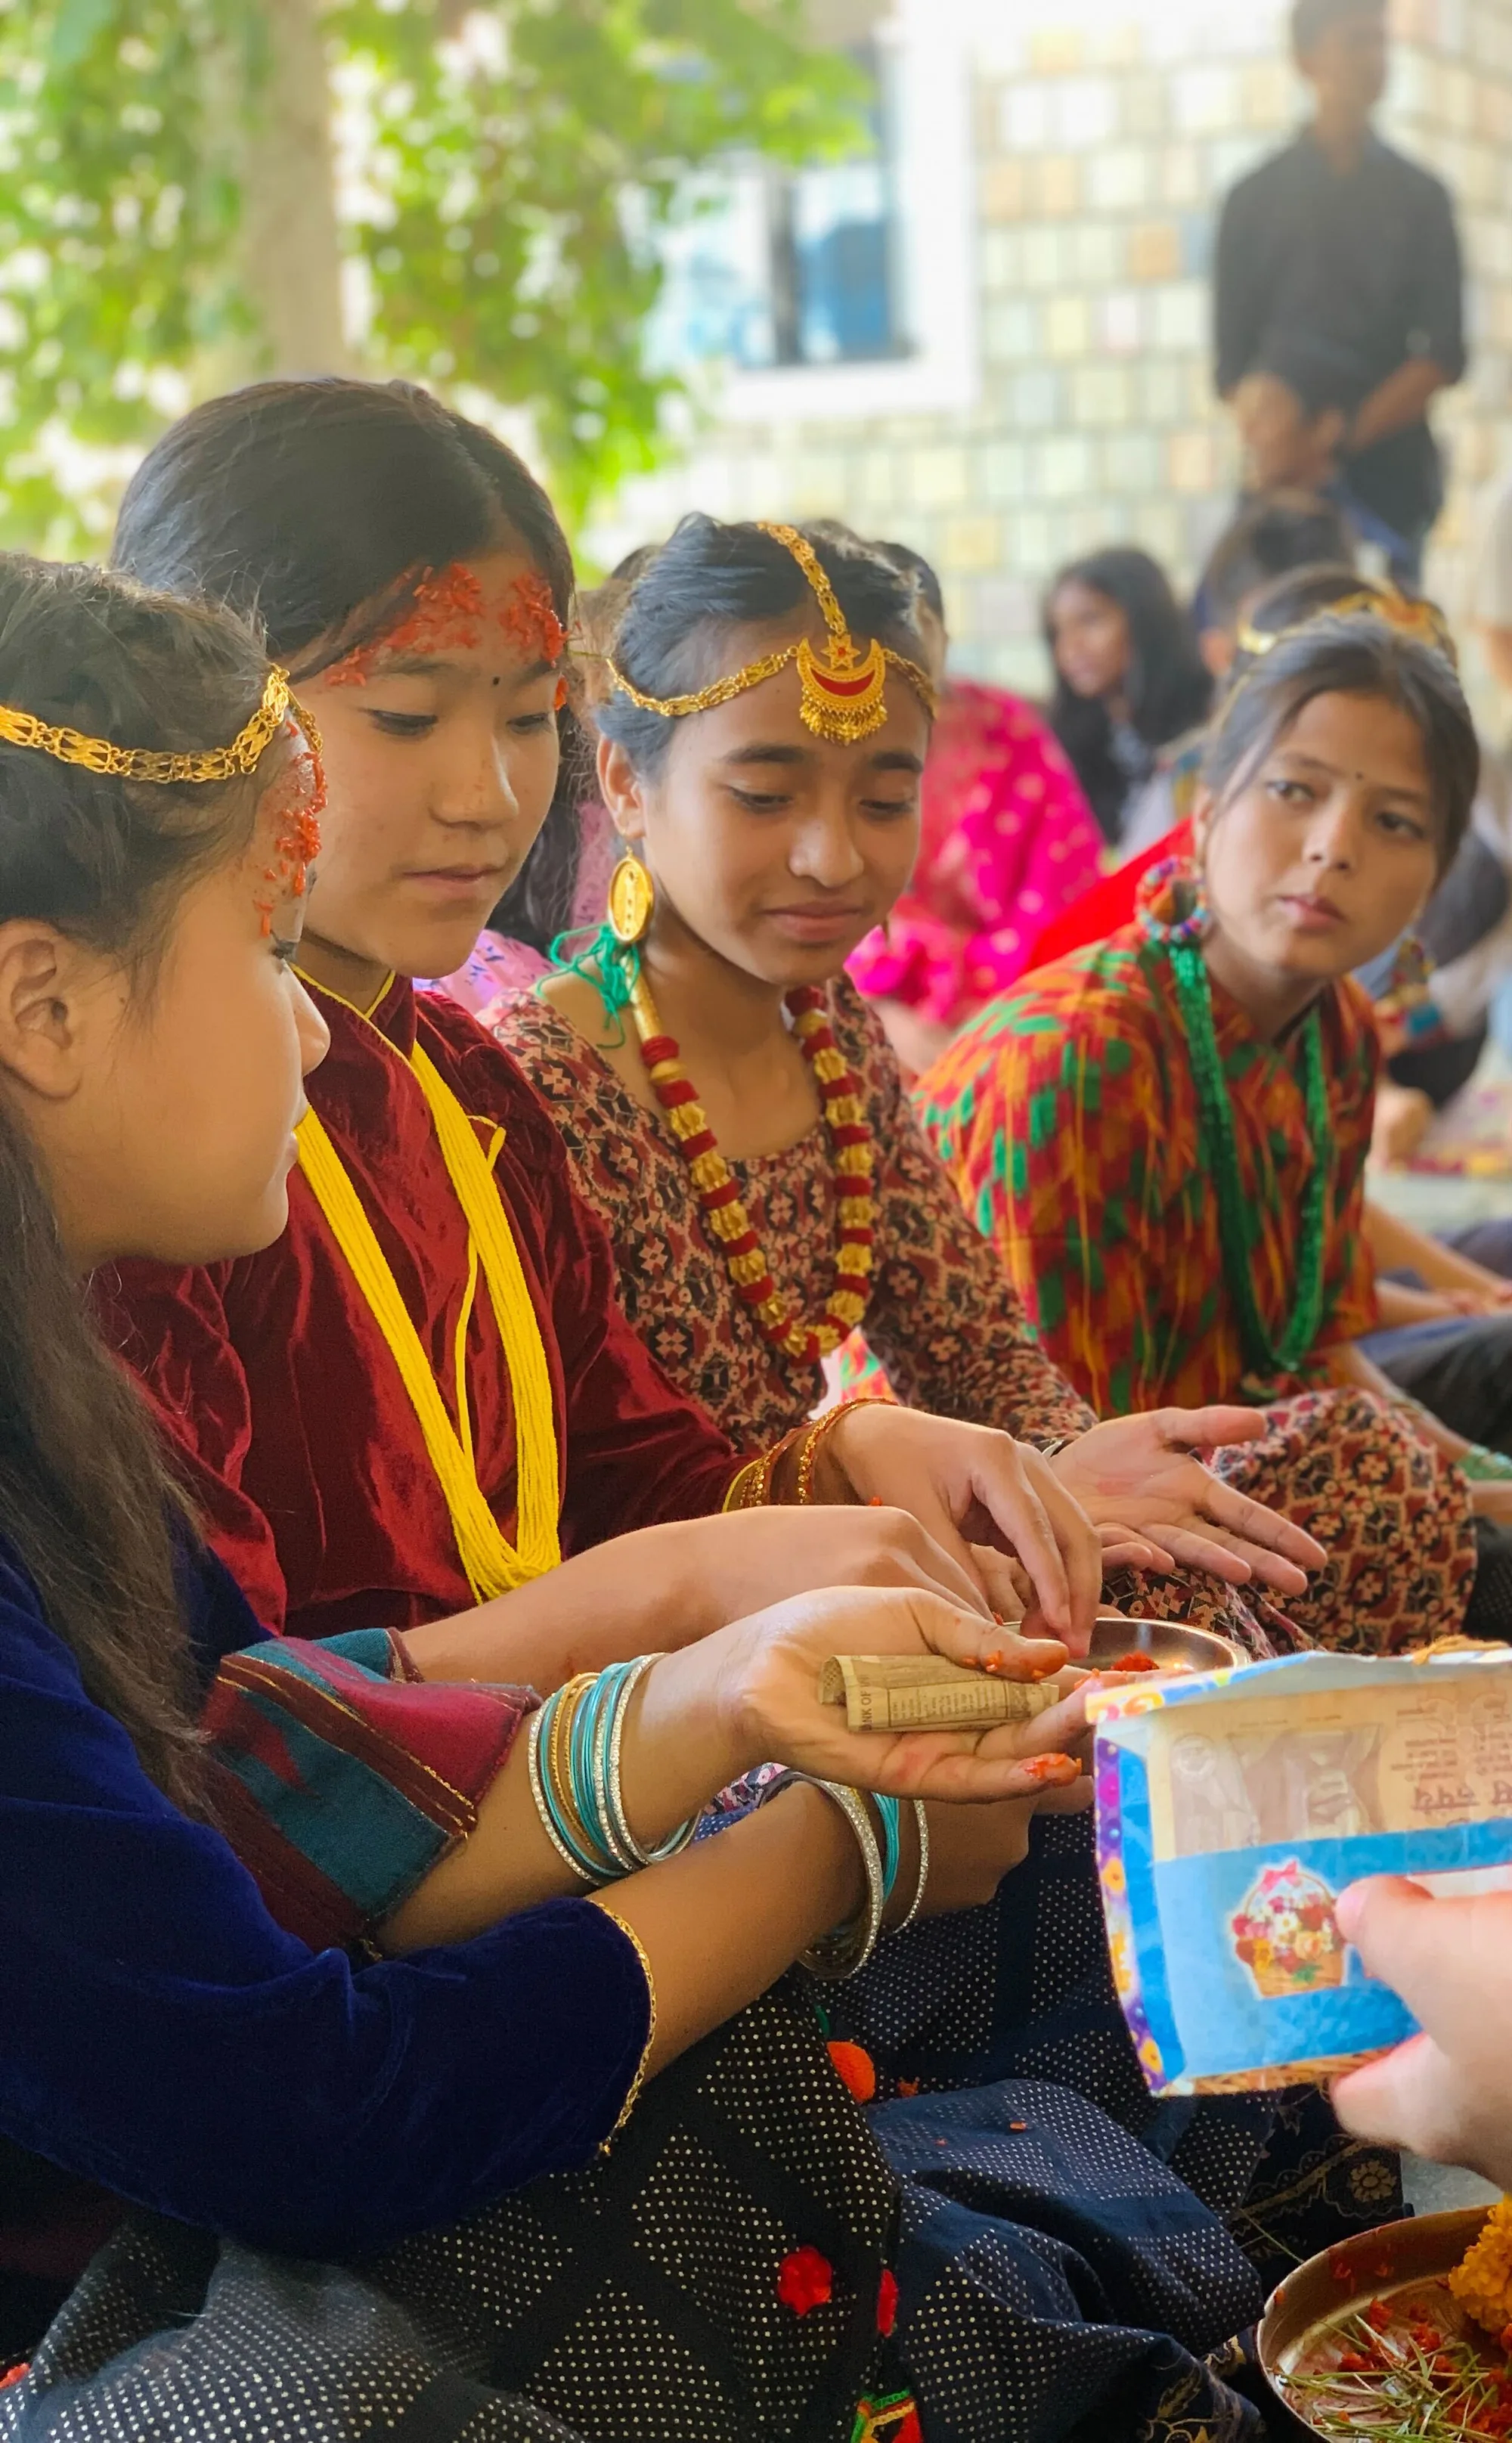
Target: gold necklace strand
[(243, 755)]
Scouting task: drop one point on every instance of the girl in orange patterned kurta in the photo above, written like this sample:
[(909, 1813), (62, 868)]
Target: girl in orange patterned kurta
[(1165, 1136)]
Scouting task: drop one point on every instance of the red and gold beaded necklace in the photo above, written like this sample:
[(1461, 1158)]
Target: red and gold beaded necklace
[(842, 699), (725, 1217)]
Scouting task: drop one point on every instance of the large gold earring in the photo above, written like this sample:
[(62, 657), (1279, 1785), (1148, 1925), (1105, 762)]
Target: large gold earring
[(631, 898)]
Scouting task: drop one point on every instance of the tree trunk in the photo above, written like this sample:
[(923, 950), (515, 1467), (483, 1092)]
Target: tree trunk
[(291, 245)]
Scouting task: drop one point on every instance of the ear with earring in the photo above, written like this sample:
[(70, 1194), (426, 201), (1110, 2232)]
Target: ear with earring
[(1171, 904), (631, 900)]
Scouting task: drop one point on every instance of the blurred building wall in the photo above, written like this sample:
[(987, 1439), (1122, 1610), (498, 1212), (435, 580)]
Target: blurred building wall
[(1063, 169)]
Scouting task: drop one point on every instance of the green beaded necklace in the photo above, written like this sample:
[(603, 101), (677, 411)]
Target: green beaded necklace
[(1265, 1357)]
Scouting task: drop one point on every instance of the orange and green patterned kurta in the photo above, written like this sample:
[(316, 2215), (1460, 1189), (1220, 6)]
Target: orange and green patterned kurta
[(1068, 1117)]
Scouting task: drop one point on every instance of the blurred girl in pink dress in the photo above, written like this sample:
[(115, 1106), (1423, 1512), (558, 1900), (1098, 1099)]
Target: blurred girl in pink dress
[(1007, 839)]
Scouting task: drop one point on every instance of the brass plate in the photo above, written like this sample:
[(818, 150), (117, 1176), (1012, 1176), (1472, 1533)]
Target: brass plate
[(1400, 2257)]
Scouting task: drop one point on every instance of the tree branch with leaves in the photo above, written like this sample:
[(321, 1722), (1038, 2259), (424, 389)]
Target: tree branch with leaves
[(192, 191)]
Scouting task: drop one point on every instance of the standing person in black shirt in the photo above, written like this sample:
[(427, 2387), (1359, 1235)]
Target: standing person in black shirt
[(1342, 241)]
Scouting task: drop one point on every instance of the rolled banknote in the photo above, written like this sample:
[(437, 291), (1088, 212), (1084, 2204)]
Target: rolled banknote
[(924, 1692)]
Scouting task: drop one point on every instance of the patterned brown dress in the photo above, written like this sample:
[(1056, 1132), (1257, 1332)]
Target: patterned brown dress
[(952, 1336)]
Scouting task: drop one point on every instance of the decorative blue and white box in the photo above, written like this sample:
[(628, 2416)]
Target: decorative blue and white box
[(1232, 1812)]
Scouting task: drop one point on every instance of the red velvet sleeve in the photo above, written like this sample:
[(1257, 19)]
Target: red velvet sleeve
[(174, 1335)]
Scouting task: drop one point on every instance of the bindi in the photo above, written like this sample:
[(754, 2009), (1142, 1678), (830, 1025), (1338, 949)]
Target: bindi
[(448, 610)]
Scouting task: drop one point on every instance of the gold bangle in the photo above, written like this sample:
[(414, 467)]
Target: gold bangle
[(634, 2096), (738, 1491), (751, 1489), (556, 1757), (538, 1795), (803, 1489)]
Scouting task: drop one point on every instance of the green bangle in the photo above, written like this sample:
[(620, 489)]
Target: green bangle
[(1485, 1466)]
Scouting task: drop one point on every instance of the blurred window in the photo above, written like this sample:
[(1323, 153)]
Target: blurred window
[(765, 267)]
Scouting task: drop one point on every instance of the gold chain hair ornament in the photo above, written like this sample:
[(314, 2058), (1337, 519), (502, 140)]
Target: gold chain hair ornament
[(243, 755), (1411, 614), (842, 690)]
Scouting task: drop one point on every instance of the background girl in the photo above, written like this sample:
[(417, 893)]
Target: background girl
[(1128, 674), (1005, 839), (1189, 1105)]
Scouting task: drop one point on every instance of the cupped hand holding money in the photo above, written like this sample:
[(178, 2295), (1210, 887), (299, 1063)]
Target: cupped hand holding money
[(763, 1676)]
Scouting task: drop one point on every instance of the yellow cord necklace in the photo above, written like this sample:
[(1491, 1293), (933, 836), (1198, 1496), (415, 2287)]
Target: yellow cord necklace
[(493, 1565)]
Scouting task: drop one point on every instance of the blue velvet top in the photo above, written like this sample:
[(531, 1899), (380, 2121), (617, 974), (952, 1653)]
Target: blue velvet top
[(160, 2035)]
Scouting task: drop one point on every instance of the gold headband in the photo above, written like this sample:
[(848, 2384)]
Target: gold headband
[(840, 699), (1411, 616), (243, 754)]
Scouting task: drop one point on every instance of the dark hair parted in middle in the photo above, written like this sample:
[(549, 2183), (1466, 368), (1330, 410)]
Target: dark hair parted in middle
[(308, 504), (1362, 656), (314, 506), (675, 636)]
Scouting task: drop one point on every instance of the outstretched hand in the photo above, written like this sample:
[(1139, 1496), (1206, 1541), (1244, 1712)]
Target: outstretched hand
[(1143, 1484)]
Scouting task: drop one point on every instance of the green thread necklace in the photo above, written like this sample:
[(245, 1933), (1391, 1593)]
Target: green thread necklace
[(1265, 1356)]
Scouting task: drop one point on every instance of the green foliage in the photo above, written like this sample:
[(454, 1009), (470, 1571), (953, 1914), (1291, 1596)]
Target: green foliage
[(493, 214)]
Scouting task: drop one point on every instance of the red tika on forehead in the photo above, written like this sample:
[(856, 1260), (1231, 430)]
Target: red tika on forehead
[(297, 803), (529, 616), (450, 608)]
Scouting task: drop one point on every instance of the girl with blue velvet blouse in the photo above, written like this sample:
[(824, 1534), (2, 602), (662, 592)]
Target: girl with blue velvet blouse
[(303, 1953)]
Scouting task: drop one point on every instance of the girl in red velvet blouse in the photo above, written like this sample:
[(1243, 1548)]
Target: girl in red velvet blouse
[(426, 1395)]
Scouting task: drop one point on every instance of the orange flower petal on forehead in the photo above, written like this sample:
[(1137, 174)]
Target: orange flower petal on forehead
[(295, 804), (449, 608), (530, 618)]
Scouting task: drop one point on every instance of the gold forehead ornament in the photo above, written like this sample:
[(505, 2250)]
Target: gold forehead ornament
[(841, 695), (1411, 614), (243, 755)]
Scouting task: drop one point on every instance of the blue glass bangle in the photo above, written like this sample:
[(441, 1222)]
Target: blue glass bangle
[(592, 1729), (579, 1763), (1485, 1466), (622, 1838), (889, 1809), (575, 1775), (566, 1833)]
